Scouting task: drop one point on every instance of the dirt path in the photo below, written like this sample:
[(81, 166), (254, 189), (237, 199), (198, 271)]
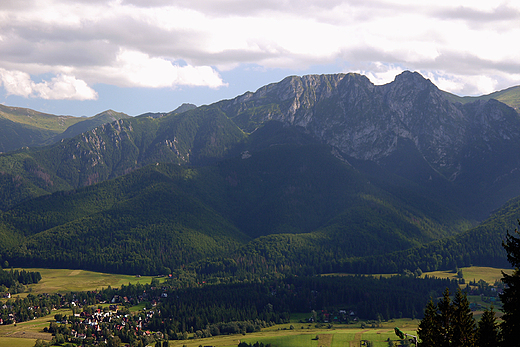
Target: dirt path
[(325, 340), (357, 338)]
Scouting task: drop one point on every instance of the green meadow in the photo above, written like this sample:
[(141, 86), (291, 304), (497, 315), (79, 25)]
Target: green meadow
[(338, 336), (66, 280), (487, 274), (25, 334)]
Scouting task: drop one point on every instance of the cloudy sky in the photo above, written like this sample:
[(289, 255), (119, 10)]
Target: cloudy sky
[(81, 57)]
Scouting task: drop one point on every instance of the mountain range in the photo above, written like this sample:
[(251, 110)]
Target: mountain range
[(311, 174)]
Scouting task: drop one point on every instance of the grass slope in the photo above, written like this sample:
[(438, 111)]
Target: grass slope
[(68, 280), (509, 96), (15, 135), (38, 119)]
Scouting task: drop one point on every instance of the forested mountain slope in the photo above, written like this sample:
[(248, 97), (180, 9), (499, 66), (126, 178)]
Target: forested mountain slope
[(480, 246), (166, 215)]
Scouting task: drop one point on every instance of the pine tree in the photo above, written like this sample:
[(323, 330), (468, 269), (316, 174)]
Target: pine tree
[(511, 294), (445, 319), (428, 331), (487, 334), (464, 327)]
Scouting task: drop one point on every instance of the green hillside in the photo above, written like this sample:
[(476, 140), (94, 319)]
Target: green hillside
[(87, 124), (22, 127), (195, 137), (239, 209), (15, 135), (509, 96), (37, 119), (136, 224), (479, 246)]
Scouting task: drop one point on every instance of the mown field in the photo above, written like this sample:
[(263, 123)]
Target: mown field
[(488, 274), (66, 280), (301, 335)]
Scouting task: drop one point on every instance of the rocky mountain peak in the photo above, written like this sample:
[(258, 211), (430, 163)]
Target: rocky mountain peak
[(366, 121), (413, 80)]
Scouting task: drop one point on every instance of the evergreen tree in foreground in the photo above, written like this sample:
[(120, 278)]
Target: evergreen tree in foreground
[(429, 326), (464, 326), (445, 318), (511, 295), (487, 335)]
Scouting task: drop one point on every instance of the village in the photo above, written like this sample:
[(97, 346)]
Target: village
[(102, 325)]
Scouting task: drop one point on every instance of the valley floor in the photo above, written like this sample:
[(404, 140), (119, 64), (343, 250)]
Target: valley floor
[(295, 333)]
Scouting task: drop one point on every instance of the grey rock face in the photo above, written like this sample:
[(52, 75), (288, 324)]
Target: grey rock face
[(366, 121)]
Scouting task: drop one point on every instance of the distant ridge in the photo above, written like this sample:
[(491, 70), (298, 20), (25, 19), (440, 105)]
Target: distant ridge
[(87, 124), (23, 127), (509, 96)]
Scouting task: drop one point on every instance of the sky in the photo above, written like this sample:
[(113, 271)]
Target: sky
[(82, 57)]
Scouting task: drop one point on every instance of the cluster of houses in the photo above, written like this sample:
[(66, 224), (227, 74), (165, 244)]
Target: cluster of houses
[(110, 322)]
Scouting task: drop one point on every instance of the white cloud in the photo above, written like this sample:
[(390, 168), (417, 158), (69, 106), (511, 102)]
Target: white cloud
[(381, 74), (136, 69), (58, 88), (64, 87), (135, 43), (16, 82)]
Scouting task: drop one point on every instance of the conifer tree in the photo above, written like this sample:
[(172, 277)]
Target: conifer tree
[(429, 326), (445, 319), (464, 327), (511, 294), (487, 334)]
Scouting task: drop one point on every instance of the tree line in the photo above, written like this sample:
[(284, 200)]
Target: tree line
[(12, 281)]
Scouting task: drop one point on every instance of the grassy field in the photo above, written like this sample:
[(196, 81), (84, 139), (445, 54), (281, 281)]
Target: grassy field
[(488, 274), (65, 280), (26, 333), (338, 336)]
